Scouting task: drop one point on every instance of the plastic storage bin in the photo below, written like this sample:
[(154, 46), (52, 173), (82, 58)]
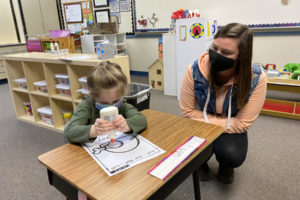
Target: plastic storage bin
[(138, 95), (41, 86), (62, 79), (33, 45), (21, 82), (46, 114), (83, 81), (27, 107), (83, 91), (63, 89)]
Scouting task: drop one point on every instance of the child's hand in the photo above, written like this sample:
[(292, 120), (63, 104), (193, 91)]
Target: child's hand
[(121, 125), (100, 127)]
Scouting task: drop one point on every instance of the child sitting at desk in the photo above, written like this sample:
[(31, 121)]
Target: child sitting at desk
[(106, 84)]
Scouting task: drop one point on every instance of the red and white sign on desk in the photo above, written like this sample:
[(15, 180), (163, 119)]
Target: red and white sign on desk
[(171, 162)]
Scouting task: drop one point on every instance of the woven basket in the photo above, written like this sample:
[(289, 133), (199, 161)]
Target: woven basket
[(103, 28)]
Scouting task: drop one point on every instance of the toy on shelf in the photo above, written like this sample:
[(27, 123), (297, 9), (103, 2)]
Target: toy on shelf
[(182, 14), (28, 109), (67, 115), (156, 76), (284, 74), (272, 73), (294, 69), (270, 66)]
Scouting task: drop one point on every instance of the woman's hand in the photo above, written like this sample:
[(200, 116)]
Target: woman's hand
[(100, 127), (121, 125)]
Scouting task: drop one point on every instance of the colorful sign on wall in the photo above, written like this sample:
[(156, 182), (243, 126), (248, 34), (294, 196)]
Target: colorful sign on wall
[(197, 30)]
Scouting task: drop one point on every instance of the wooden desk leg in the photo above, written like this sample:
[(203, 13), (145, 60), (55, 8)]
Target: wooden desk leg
[(196, 185)]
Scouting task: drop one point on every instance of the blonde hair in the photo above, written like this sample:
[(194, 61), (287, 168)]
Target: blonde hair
[(106, 75)]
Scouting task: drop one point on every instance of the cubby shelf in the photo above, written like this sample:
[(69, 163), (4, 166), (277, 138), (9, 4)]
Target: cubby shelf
[(36, 67), (61, 97), (26, 118), (39, 93), (281, 108), (20, 90)]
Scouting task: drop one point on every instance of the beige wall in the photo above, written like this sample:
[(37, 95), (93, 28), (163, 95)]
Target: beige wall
[(278, 50), (142, 53), (266, 49)]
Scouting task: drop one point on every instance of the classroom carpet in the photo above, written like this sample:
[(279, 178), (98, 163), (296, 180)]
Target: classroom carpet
[(270, 172)]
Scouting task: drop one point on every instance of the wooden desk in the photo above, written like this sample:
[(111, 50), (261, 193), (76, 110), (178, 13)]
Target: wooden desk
[(70, 167)]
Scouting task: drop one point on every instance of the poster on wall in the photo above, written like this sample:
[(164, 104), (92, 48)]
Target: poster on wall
[(73, 12), (118, 15), (102, 16), (74, 28), (100, 3), (124, 5), (114, 6)]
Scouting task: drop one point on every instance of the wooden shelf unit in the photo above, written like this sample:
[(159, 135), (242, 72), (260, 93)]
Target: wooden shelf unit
[(281, 108), (63, 43), (42, 66), (88, 42)]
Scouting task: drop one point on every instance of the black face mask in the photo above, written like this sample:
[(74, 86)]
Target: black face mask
[(219, 62)]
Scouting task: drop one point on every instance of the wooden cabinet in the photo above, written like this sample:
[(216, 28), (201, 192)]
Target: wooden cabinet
[(63, 42), (169, 62), (36, 67)]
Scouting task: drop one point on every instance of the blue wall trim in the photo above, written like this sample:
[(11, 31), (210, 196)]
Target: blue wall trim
[(142, 36), (277, 33), (138, 73)]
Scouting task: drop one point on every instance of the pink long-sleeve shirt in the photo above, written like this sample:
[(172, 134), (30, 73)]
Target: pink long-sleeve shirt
[(245, 116)]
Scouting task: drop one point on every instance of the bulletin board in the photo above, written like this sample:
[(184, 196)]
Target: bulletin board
[(256, 13), (85, 13), (122, 10)]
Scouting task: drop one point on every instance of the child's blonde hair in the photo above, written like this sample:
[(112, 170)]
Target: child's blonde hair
[(106, 75)]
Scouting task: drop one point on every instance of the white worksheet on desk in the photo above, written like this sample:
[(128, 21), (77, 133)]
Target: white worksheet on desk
[(127, 151)]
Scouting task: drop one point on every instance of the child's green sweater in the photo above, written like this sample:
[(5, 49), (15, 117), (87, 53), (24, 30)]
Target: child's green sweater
[(85, 115)]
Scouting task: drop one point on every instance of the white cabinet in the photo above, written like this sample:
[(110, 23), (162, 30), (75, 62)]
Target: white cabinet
[(169, 59), (88, 42)]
